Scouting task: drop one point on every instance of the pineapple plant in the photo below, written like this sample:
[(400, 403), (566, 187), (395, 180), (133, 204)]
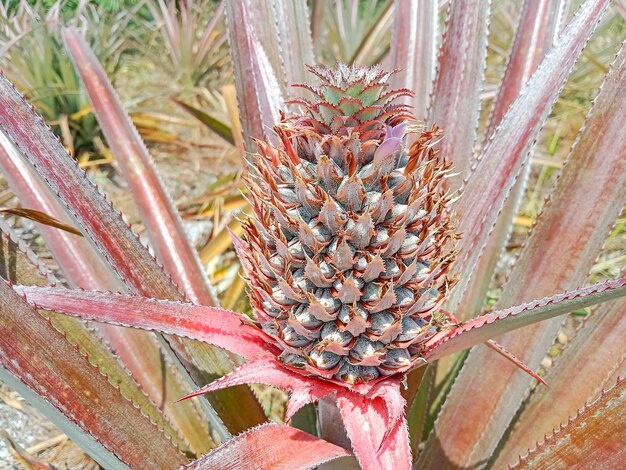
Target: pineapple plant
[(366, 251)]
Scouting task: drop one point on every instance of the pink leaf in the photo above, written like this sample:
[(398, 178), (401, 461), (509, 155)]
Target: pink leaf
[(222, 328), (258, 91), (82, 267), (270, 446), (59, 377), (461, 68), (158, 213), (389, 391), (414, 50), (267, 371), (366, 420)]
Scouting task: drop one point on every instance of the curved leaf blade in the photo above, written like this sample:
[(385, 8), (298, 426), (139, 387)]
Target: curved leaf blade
[(82, 268), (258, 90), (209, 121), (162, 221), (494, 324), (270, 446), (132, 262), (589, 195), (222, 328), (536, 32)]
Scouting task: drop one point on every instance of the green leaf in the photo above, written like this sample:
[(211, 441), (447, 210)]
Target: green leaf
[(209, 121)]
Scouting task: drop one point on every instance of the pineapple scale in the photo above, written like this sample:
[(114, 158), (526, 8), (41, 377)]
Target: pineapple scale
[(350, 240)]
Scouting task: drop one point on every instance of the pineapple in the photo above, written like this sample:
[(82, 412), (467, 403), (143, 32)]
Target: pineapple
[(348, 248)]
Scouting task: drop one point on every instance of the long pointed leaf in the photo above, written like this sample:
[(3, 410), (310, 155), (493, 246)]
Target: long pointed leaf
[(132, 262), (414, 50), (536, 32), (589, 195), (214, 325), (83, 268), (270, 446), (19, 264), (505, 154), (258, 90), (282, 26), (456, 95), (209, 121), (158, 213), (39, 357), (596, 351), (594, 438), (494, 324)]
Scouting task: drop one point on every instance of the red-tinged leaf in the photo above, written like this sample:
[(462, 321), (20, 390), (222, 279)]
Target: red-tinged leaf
[(258, 90), (461, 68), (589, 195), (282, 27), (537, 29), (265, 370), (506, 153), (594, 438), (164, 225), (132, 262), (20, 265), (74, 255), (222, 328), (366, 420), (414, 50), (35, 356), (83, 268), (494, 324), (597, 350), (270, 446)]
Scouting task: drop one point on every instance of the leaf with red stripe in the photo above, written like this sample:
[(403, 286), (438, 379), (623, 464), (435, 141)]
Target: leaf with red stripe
[(414, 51), (455, 103), (82, 267), (222, 328)]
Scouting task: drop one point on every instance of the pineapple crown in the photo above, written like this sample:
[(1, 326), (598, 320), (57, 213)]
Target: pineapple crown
[(352, 97), (347, 251)]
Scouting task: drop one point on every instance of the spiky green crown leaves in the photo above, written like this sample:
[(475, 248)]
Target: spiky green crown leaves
[(353, 97), (348, 249)]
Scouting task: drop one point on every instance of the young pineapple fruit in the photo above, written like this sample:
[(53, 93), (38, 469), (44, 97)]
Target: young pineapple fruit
[(347, 251)]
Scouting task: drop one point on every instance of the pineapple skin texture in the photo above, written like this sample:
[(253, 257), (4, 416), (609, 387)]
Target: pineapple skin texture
[(350, 240)]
